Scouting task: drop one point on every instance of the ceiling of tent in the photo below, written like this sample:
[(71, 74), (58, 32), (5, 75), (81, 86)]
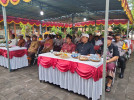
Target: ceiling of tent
[(62, 10)]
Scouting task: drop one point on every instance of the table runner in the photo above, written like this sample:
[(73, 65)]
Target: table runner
[(85, 69)]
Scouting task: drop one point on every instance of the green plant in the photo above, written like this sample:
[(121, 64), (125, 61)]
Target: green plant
[(28, 29), (79, 32), (69, 31), (23, 29), (91, 29), (54, 29), (59, 31)]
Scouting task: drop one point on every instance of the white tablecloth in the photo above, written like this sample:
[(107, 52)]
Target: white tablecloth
[(95, 64), (72, 82), (15, 62)]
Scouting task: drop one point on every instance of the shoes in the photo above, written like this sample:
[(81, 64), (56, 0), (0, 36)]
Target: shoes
[(108, 89), (121, 75)]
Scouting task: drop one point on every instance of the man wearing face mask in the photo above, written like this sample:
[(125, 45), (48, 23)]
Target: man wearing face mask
[(85, 48)]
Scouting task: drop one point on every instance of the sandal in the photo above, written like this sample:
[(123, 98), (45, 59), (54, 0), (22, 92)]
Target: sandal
[(108, 89)]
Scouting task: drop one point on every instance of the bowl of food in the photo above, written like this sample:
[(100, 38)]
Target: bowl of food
[(75, 55), (83, 58)]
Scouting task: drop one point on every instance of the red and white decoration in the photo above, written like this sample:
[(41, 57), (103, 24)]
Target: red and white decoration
[(17, 55), (82, 77)]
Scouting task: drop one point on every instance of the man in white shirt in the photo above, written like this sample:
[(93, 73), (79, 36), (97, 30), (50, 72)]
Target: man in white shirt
[(13, 41)]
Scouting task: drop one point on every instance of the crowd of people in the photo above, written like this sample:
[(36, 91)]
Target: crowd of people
[(118, 48)]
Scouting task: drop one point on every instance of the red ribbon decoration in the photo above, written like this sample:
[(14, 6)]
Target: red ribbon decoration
[(17, 53), (4, 1), (83, 70)]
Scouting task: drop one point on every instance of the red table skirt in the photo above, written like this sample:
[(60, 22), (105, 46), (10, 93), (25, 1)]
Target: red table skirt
[(85, 71), (16, 53)]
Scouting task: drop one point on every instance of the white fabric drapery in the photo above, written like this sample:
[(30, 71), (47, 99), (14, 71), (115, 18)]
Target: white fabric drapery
[(15, 62), (72, 82)]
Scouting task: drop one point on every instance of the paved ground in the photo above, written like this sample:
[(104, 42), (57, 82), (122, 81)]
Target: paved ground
[(23, 84)]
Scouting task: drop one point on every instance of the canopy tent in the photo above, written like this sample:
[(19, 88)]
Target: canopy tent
[(64, 10), (71, 11), (18, 20)]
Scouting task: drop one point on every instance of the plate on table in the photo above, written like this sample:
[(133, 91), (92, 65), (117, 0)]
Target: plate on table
[(83, 58), (64, 56), (57, 53), (95, 58)]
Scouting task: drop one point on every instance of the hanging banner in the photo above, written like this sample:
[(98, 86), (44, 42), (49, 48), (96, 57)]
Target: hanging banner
[(125, 6), (14, 2), (26, 0), (4, 2)]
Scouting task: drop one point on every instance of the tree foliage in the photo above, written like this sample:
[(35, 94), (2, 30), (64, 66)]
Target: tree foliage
[(122, 29), (131, 6)]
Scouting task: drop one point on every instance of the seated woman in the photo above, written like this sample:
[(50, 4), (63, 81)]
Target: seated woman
[(33, 49), (68, 46), (112, 57), (48, 45), (28, 42), (21, 42)]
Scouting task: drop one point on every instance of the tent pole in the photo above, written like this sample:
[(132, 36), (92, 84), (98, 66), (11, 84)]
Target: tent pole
[(128, 29), (6, 35), (132, 32), (105, 48), (40, 27)]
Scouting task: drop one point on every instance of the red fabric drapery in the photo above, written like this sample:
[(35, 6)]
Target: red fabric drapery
[(81, 24), (85, 71), (102, 22), (51, 24), (112, 21), (17, 53), (15, 20)]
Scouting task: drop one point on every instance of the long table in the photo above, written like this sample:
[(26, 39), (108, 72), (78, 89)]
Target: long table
[(82, 77), (17, 56)]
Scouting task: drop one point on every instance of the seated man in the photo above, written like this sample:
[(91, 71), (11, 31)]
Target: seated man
[(13, 41), (33, 49), (48, 45), (112, 57), (21, 42), (58, 42), (85, 48), (97, 41), (68, 46), (28, 42), (122, 52)]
